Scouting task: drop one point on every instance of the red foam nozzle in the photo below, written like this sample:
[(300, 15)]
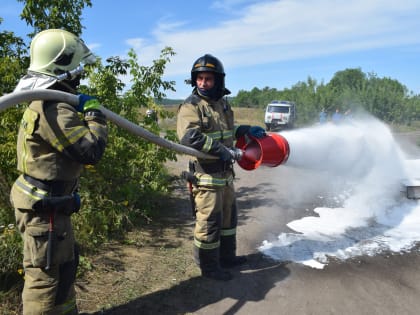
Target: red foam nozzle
[(271, 151)]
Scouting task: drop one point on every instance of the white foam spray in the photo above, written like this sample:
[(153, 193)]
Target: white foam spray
[(373, 215)]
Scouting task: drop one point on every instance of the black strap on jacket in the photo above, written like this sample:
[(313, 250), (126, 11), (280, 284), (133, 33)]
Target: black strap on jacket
[(53, 187), (210, 168)]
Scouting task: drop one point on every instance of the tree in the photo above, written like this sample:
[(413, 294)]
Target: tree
[(45, 14), (385, 98), (127, 184), (353, 79), (12, 64), (349, 89), (411, 109), (13, 60)]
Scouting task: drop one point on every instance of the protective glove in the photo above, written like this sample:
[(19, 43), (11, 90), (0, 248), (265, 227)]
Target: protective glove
[(257, 132), (225, 154), (87, 103), (67, 204), (77, 202), (230, 154)]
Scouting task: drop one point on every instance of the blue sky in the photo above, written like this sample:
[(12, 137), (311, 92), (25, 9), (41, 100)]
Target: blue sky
[(261, 43)]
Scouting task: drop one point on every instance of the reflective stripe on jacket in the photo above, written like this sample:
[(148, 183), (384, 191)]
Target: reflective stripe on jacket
[(29, 190), (54, 142), (213, 180), (210, 123)]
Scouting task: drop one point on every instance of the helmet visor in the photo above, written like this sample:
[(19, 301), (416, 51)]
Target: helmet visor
[(88, 57)]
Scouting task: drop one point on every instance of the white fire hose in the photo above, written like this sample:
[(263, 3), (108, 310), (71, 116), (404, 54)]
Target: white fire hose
[(11, 99)]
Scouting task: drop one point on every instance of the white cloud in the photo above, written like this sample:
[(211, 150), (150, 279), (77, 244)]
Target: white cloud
[(275, 31), (93, 46), (290, 29), (135, 43), (231, 4)]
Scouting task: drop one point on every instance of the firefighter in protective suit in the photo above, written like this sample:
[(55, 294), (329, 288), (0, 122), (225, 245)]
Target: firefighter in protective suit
[(205, 122), (55, 141)]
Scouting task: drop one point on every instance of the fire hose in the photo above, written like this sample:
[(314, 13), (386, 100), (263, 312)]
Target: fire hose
[(11, 99), (271, 151)]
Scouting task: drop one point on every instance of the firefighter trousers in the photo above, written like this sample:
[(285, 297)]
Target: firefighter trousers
[(46, 290), (50, 292), (215, 227)]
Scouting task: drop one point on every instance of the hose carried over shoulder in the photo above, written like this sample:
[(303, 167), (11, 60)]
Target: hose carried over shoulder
[(11, 99)]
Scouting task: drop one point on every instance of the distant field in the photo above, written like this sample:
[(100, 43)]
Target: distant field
[(255, 116), (245, 116)]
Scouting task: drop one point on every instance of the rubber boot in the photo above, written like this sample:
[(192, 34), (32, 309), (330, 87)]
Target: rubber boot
[(228, 258), (66, 293), (208, 261)]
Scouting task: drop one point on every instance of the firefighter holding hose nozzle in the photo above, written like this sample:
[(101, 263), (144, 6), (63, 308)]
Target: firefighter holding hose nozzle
[(55, 141), (205, 122)]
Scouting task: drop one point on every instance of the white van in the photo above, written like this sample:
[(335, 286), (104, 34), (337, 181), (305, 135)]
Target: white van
[(280, 114)]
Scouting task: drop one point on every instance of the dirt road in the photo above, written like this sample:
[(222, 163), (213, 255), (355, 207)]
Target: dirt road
[(388, 284), (268, 200)]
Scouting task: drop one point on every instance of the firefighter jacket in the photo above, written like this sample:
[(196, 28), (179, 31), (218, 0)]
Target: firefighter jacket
[(207, 125), (53, 145)]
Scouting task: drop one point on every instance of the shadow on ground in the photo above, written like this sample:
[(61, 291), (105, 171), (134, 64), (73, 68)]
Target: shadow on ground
[(251, 283)]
